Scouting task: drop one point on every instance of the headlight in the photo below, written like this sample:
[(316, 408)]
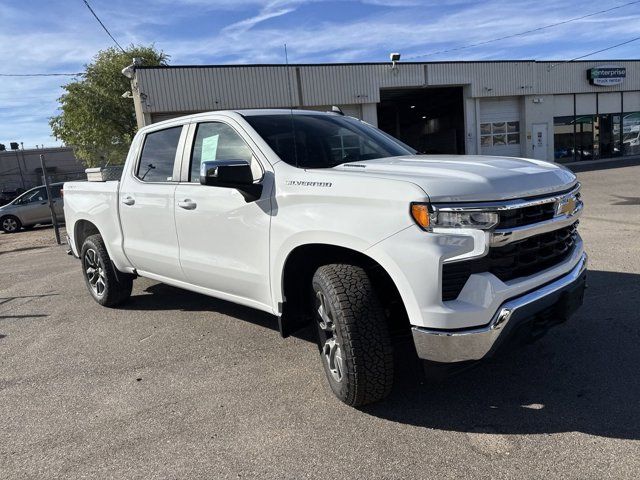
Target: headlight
[(428, 219), (479, 220)]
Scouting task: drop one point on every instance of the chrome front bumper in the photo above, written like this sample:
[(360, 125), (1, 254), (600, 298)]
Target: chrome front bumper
[(564, 295)]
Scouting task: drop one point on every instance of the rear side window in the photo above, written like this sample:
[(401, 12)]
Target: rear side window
[(158, 155), (217, 141)]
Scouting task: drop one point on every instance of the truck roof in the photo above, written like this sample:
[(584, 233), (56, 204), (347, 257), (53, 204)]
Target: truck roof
[(244, 113), (281, 111)]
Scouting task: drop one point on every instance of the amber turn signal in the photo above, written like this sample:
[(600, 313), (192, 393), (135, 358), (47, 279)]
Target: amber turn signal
[(420, 214)]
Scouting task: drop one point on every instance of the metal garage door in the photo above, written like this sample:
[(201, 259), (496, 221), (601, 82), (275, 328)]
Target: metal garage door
[(500, 127)]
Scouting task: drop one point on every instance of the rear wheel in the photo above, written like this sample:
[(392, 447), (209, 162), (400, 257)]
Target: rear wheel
[(107, 286), (353, 337), (10, 224)]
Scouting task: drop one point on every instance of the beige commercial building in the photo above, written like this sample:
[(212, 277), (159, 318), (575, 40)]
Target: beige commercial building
[(562, 111)]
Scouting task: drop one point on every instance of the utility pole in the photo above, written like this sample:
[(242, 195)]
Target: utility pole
[(24, 161), (14, 147), (54, 218)]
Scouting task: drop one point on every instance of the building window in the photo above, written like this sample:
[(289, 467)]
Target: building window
[(498, 134), (576, 138), (586, 137), (631, 133), (563, 138)]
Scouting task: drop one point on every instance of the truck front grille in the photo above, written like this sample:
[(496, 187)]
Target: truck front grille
[(520, 217), (515, 260)]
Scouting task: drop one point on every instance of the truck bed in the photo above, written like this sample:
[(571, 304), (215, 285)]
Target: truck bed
[(90, 203)]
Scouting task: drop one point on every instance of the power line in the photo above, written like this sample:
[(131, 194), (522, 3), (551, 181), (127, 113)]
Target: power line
[(40, 74), (596, 51), (104, 27), (526, 32)]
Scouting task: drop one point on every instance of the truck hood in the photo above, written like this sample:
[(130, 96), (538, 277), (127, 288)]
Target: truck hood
[(463, 178)]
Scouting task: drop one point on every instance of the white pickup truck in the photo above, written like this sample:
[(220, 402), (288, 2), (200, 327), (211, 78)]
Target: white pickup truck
[(319, 217)]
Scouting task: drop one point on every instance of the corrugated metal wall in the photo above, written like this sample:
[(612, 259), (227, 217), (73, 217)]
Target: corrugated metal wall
[(189, 89)]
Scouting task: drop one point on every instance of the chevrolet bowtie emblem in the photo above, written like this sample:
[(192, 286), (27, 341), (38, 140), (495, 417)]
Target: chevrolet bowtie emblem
[(567, 206)]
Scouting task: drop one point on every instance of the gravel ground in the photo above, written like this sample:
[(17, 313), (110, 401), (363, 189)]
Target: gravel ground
[(178, 385)]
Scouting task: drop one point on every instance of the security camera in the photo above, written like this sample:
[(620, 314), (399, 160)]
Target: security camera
[(127, 94), (395, 58), (128, 71)]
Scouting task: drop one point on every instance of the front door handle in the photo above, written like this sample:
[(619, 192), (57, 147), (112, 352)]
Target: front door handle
[(128, 200), (187, 204)]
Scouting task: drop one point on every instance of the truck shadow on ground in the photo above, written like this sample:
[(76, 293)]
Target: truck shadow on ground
[(582, 376), (165, 297)]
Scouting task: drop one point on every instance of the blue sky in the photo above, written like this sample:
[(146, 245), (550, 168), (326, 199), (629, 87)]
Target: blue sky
[(40, 36)]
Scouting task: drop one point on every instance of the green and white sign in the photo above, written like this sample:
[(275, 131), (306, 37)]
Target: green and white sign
[(606, 76)]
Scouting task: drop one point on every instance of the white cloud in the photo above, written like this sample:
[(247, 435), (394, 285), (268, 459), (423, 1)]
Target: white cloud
[(55, 38)]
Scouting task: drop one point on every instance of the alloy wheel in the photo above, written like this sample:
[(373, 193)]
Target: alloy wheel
[(329, 344), (9, 225), (94, 270)]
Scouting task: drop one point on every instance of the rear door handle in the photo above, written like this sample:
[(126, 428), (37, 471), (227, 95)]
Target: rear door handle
[(128, 200), (187, 204)]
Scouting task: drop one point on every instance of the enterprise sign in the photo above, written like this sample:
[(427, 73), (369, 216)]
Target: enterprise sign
[(606, 76)]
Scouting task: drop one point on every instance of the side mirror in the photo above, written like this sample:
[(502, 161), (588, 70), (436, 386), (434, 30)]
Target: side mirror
[(231, 174)]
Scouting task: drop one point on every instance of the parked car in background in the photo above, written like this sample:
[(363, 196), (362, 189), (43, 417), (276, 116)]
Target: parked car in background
[(32, 208)]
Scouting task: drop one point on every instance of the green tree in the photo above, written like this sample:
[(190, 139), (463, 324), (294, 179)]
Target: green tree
[(94, 117)]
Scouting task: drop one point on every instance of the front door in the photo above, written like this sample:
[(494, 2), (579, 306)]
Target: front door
[(34, 207), (146, 201), (539, 141), (224, 239)]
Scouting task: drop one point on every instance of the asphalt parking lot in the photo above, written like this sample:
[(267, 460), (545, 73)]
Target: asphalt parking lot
[(178, 385)]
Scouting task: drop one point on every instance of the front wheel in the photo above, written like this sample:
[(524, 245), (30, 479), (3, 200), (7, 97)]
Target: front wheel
[(353, 337), (107, 286), (10, 224)]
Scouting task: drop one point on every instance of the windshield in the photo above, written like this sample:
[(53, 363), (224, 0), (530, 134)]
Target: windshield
[(630, 136), (324, 141)]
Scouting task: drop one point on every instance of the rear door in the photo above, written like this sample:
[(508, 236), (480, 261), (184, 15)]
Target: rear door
[(146, 200), (224, 239), (58, 203)]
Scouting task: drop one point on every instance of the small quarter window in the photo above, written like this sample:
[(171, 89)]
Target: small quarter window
[(158, 155)]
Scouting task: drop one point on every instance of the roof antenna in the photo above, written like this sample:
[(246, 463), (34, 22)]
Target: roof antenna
[(293, 125)]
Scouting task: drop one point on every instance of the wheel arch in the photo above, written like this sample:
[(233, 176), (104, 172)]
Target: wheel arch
[(81, 230), (295, 280)]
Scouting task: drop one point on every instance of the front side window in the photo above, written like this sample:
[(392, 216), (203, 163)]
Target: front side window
[(158, 155), (37, 195), (324, 141), (218, 141)]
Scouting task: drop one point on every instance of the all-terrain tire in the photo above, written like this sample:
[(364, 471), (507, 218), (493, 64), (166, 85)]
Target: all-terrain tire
[(106, 285), (360, 329)]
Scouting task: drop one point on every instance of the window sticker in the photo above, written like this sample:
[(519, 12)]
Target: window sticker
[(209, 148)]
